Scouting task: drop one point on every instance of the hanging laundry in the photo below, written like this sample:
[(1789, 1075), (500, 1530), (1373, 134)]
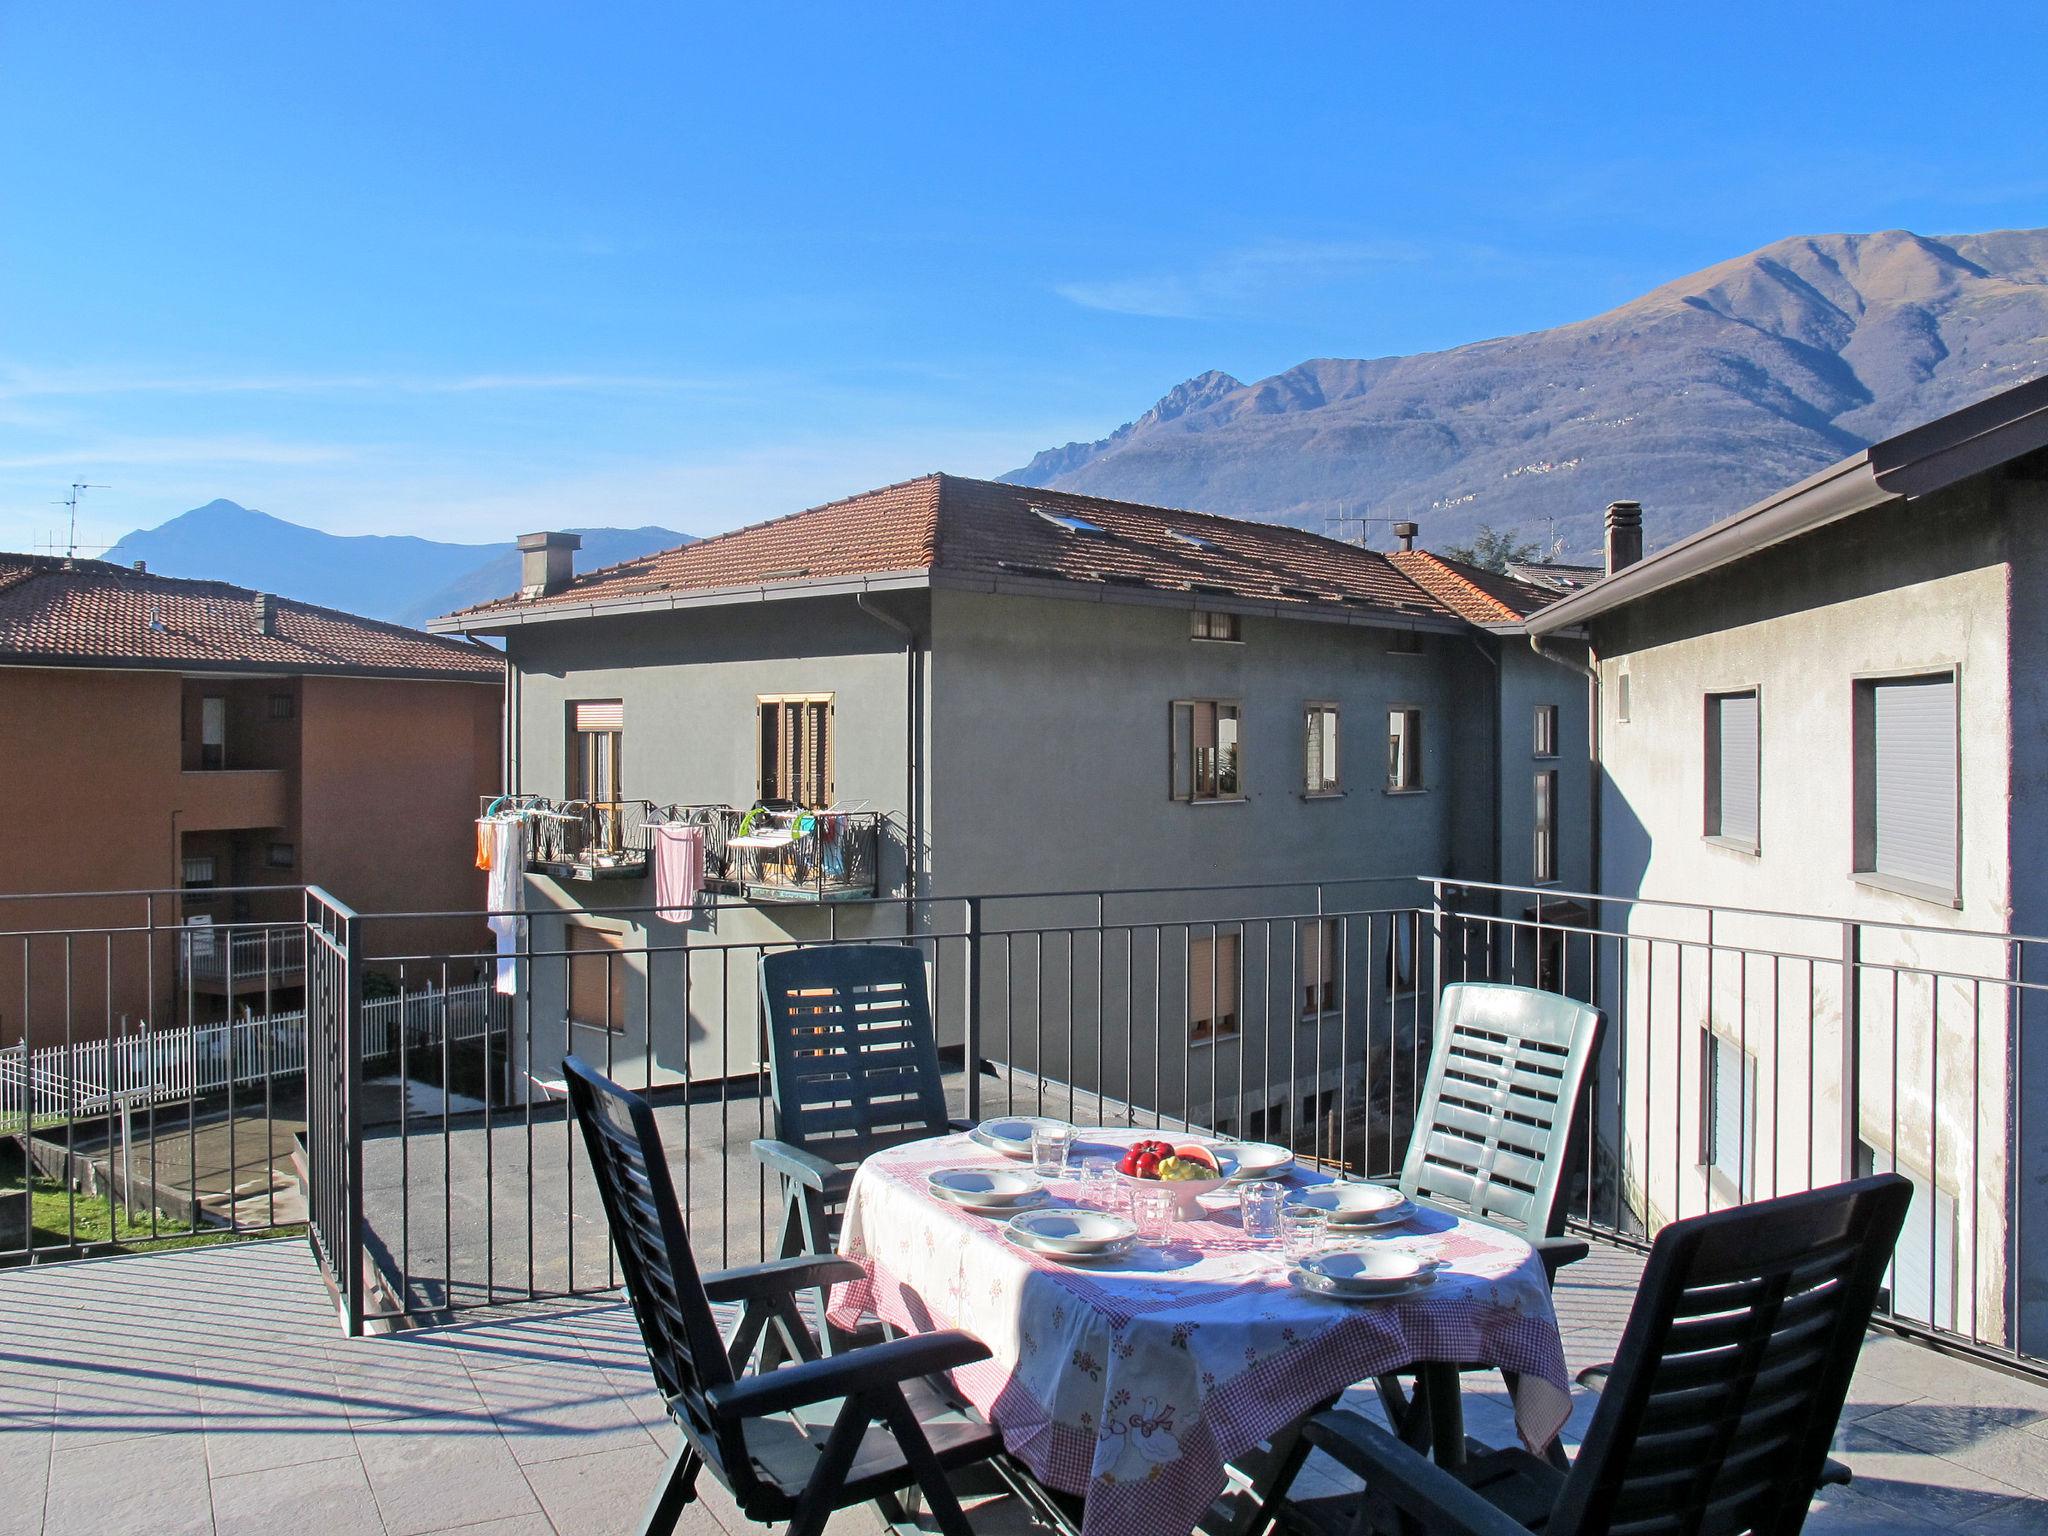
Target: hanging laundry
[(678, 870), (484, 836), (505, 894)]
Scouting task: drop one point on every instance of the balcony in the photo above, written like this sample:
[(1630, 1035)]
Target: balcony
[(763, 854), (233, 799)]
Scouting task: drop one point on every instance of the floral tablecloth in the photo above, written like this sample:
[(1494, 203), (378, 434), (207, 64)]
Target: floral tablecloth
[(1134, 1384)]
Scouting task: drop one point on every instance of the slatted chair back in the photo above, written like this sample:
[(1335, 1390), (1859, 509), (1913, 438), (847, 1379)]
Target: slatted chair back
[(1496, 1111), (855, 1063), (1723, 1398), (676, 1323)]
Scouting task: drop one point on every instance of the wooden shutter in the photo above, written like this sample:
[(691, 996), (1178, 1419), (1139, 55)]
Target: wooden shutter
[(1733, 795), (1914, 788)]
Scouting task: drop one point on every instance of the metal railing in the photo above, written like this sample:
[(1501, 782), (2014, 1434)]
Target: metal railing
[(1752, 1053), (1746, 1054), (758, 853), (241, 956)]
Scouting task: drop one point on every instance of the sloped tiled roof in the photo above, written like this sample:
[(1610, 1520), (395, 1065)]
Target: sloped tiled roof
[(1471, 591), (83, 612), (986, 529)]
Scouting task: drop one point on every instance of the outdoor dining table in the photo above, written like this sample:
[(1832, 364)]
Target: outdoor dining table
[(1133, 1383)]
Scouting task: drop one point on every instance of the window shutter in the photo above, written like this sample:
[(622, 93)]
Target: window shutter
[(1915, 820), (1737, 766), (831, 712), (1180, 784), (600, 715), (764, 733)]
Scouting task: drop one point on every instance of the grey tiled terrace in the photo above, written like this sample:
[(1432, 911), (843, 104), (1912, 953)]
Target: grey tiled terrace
[(211, 1391)]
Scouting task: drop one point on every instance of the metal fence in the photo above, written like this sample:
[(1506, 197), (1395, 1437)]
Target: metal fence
[(1746, 1054), (1752, 1053)]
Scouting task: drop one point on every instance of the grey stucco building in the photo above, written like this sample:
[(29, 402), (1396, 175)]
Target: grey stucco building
[(1045, 697), (1834, 704)]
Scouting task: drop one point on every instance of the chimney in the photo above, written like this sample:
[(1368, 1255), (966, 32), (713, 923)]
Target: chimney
[(547, 562), (1406, 532), (1624, 535), (142, 567), (266, 614)]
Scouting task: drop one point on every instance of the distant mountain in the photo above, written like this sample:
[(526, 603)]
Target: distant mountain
[(382, 576), (1696, 399)]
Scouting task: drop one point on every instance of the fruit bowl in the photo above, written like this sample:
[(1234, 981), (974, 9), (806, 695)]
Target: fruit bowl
[(1187, 1189)]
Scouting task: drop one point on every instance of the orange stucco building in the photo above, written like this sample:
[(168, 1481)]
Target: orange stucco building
[(220, 748)]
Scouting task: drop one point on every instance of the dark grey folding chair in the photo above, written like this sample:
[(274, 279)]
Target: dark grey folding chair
[(855, 1069), (1493, 1126), (793, 1444), (1718, 1411)]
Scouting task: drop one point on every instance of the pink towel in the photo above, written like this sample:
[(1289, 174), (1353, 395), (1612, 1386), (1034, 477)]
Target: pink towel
[(678, 870)]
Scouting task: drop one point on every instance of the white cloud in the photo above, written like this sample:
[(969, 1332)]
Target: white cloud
[(178, 450), (1241, 279), (28, 384)]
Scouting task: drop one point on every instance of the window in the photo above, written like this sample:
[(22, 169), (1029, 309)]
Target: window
[(1623, 691), (1546, 730), (1212, 986), (213, 732), (1215, 626), (1733, 757), (597, 730), (1316, 966), (197, 870), (597, 979), (1546, 826), (1907, 810), (796, 749), (282, 706), (1728, 1110), (1404, 749), (1205, 756), (1922, 1276), (1319, 751), (283, 855), (1405, 642)]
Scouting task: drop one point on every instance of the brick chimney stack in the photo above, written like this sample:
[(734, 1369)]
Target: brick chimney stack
[(266, 614), (547, 563), (1624, 535)]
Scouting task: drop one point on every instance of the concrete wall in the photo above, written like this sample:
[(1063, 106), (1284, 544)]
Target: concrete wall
[(1904, 589)]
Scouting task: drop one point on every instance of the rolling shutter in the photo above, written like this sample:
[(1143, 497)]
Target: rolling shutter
[(1736, 766), (1914, 802), (600, 715)]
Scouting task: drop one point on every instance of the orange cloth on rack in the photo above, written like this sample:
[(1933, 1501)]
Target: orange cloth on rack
[(483, 844)]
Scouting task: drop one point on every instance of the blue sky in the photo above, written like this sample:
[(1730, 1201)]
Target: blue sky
[(464, 270)]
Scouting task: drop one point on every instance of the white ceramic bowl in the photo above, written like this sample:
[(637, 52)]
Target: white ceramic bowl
[(1250, 1160), (1355, 1205), (1368, 1271), (1074, 1231), (1187, 1193), (983, 1186), (1010, 1134)]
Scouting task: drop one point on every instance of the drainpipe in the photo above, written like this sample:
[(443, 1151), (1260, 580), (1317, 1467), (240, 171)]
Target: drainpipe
[(1592, 676), (910, 752), (1500, 748)]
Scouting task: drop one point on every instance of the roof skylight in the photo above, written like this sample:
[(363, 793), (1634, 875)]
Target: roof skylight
[(1064, 520), (1189, 539)]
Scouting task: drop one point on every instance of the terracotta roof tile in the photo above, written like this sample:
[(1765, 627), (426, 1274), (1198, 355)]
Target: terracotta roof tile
[(984, 528), (85, 611), (1470, 591)]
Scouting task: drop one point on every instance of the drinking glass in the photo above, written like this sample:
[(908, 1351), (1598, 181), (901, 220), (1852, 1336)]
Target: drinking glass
[(1260, 1204), (1098, 1181), (1154, 1210), (1305, 1229), (1050, 1145)]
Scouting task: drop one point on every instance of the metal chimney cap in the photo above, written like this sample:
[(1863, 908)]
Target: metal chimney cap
[(533, 541), (1406, 532)]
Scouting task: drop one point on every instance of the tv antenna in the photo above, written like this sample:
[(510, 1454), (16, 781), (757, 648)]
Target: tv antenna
[(70, 503), (1342, 521)]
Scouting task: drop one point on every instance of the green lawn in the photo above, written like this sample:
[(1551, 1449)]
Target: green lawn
[(59, 1217)]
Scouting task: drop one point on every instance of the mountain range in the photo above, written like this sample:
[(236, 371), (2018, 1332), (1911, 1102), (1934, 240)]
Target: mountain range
[(381, 576), (1696, 399)]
